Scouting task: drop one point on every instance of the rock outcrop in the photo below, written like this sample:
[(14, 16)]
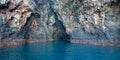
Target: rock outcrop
[(78, 21)]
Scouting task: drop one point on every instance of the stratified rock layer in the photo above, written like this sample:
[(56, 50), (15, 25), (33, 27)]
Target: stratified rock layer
[(79, 21)]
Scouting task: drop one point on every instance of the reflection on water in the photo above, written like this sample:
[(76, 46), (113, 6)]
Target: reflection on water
[(59, 50)]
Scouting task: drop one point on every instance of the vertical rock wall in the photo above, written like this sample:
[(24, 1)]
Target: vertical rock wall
[(80, 21)]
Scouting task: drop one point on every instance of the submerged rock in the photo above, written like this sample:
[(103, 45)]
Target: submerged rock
[(80, 21)]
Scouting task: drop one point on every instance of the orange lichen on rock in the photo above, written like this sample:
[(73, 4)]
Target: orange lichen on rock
[(16, 13)]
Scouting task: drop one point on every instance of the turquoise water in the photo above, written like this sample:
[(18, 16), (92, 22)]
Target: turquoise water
[(59, 50)]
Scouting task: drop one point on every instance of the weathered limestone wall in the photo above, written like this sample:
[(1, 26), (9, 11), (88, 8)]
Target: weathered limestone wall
[(79, 21)]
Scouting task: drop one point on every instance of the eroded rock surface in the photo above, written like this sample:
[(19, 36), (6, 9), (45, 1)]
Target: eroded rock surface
[(80, 21)]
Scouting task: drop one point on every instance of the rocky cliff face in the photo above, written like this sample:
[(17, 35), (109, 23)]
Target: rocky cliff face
[(79, 21)]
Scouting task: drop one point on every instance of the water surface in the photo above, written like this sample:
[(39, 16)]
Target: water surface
[(59, 50)]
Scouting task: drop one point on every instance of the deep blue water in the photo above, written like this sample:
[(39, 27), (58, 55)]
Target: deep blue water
[(59, 50)]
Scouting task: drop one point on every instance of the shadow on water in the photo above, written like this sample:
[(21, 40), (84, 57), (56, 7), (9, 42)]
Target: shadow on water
[(60, 51), (55, 50)]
